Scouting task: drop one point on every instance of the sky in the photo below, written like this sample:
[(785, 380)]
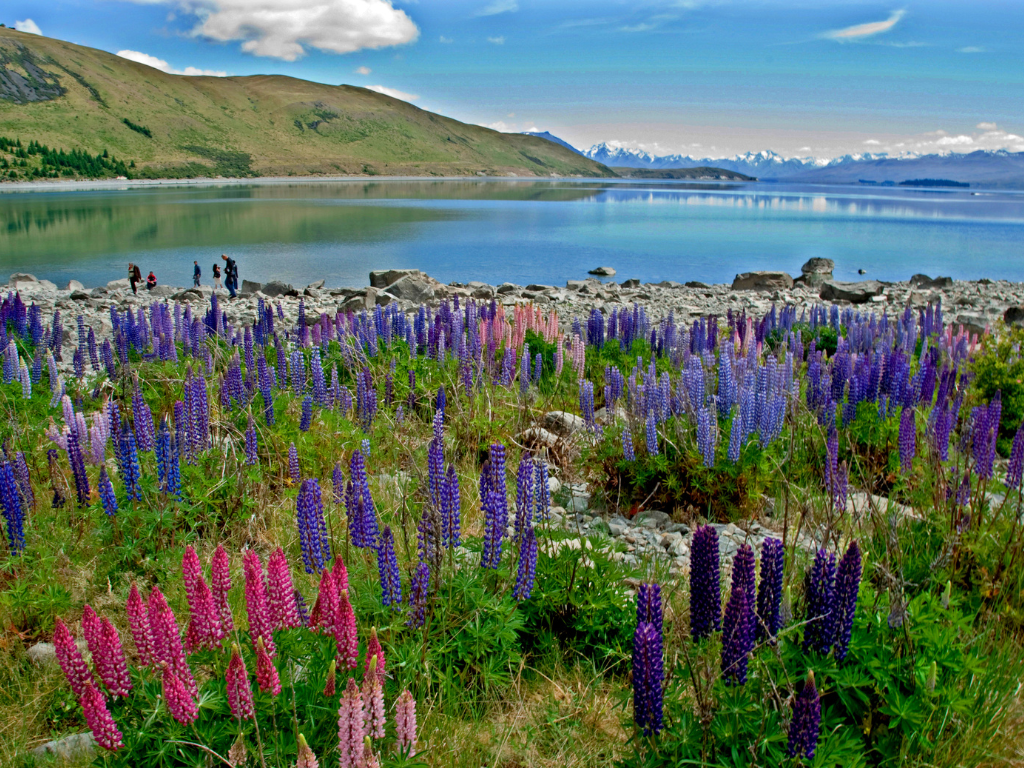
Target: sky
[(708, 78)]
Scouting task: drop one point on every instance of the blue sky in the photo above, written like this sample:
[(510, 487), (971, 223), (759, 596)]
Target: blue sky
[(702, 77)]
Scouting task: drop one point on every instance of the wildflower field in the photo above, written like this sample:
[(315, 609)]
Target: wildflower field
[(357, 539)]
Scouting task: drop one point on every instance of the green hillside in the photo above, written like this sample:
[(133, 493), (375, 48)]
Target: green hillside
[(68, 97)]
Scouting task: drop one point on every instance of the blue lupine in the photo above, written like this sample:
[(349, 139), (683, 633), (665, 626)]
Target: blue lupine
[(309, 511), (494, 499), (251, 444), (769, 590), (847, 586), (307, 414), (706, 436), (14, 512), (648, 662), (419, 590), (22, 478), (739, 623), (907, 439), (361, 508), (78, 469), (806, 722), (705, 584), (387, 568), (627, 445), (819, 632), (527, 569), (294, 473), (524, 370), (1015, 467), (735, 439), (651, 434), (107, 496), (524, 497), (451, 510)]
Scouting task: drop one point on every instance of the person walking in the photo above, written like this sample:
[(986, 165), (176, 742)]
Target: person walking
[(150, 281), (196, 274), (216, 277), (134, 277), (230, 275)]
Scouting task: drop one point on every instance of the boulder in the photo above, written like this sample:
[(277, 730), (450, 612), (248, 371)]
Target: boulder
[(631, 283), (43, 654), (99, 291), (163, 291), (1014, 316), (22, 281), (507, 288), (189, 294), (22, 277), (249, 287), (383, 298), (762, 281), (602, 272), (816, 271), (72, 748), (855, 293), (538, 437), (317, 286), (653, 518), (382, 278), (976, 325), (669, 284), (416, 288), (276, 288), (74, 285), (119, 285), (480, 290), (80, 296), (575, 285), (923, 281), (364, 300), (564, 423), (696, 284)]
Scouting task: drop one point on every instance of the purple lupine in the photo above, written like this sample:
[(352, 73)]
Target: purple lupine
[(907, 439), (985, 434), (143, 420), (1015, 467), (387, 568), (648, 661), (21, 475), (651, 434), (306, 420), (294, 474), (78, 469), (362, 513), (706, 436), (705, 586), (14, 512), (819, 634), (806, 722), (524, 497), (419, 588), (451, 510), (847, 586), (107, 496), (131, 472), (738, 625), (316, 549), (251, 444), (494, 499), (628, 453), (769, 590), (527, 569)]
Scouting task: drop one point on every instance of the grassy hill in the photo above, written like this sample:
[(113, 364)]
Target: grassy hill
[(70, 97), (703, 173)]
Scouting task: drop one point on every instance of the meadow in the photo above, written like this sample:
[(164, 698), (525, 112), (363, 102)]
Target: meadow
[(380, 539)]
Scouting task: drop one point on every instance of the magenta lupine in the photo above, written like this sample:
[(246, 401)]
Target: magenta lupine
[(373, 699), (179, 701), (405, 723), (847, 586), (284, 612), (266, 672), (70, 659), (98, 719), (256, 602), (350, 727), (204, 624), (240, 698), (907, 439), (705, 583), (738, 625), (115, 669), (332, 675), (91, 629), (167, 639), (374, 650), (346, 633), (138, 620), (220, 585), (325, 609), (806, 722), (305, 757)]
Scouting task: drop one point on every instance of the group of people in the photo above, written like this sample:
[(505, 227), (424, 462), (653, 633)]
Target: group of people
[(230, 276)]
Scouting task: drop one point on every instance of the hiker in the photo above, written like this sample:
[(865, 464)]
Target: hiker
[(196, 274), (230, 274), (134, 277), (150, 281), (216, 277)]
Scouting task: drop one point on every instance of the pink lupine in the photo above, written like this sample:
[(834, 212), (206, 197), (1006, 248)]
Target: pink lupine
[(325, 610), (373, 650), (167, 640), (345, 634), (98, 718), (220, 585), (350, 727), (256, 602), (405, 723), (340, 574), (138, 620), (369, 758), (305, 758), (373, 699), (266, 672), (284, 612), (91, 628), (239, 690), (110, 662), (204, 624), (179, 702), (329, 686), (70, 658)]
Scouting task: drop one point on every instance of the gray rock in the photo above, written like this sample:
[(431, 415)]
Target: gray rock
[(923, 281), (22, 277), (653, 518), (556, 515), (414, 288), (631, 283), (359, 302), (681, 528), (972, 323), (762, 281), (575, 285), (1014, 316), (74, 285), (538, 436), (480, 290), (317, 286), (816, 271), (249, 287), (43, 653), (383, 298), (506, 288), (119, 285), (600, 526), (554, 484), (189, 294), (602, 272), (696, 284), (163, 291), (382, 278), (617, 528), (74, 747), (80, 296), (564, 423), (276, 288), (579, 502), (855, 293)]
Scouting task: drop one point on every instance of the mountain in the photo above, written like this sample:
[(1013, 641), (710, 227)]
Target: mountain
[(702, 173), (547, 136), (74, 98), (766, 164)]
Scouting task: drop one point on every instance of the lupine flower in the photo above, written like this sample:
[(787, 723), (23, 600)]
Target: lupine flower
[(305, 757), (374, 650), (306, 421), (325, 609), (107, 495), (110, 662), (651, 434), (350, 727), (738, 626), (138, 620), (179, 702), (332, 673), (648, 665), (847, 586), (405, 723), (527, 569), (627, 445), (293, 464), (14, 512), (251, 458), (240, 698), (450, 510), (98, 719), (316, 550), (346, 634), (1015, 467), (204, 626), (266, 673), (284, 613), (256, 602), (70, 659), (362, 515), (907, 439), (220, 585), (769, 590), (705, 586), (419, 587), (77, 469), (494, 499), (806, 722), (819, 634), (373, 698), (167, 646), (387, 567), (706, 436)]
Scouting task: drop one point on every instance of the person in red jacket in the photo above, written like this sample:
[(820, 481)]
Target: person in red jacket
[(150, 281)]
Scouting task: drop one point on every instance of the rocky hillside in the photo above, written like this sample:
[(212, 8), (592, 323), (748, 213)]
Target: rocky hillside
[(70, 97)]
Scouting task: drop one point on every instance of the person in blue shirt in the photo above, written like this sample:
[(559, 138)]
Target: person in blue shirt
[(196, 274)]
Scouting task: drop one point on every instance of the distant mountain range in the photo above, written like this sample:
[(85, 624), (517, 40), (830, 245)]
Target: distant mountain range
[(989, 168)]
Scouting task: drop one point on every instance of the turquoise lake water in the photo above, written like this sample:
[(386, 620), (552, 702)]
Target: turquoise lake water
[(506, 230)]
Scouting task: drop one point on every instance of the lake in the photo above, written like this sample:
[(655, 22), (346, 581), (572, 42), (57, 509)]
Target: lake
[(508, 230)]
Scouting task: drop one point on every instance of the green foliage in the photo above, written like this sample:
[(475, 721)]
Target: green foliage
[(999, 367), (138, 128)]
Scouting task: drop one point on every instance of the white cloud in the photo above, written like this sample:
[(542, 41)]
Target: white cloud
[(446, 40), (971, 49), (163, 66), (28, 26), (645, 27), (873, 142), (500, 40), (393, 92), (363, 70), (498, 6), (988, 137), (987, 126), (859, 31), (285, 29)]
